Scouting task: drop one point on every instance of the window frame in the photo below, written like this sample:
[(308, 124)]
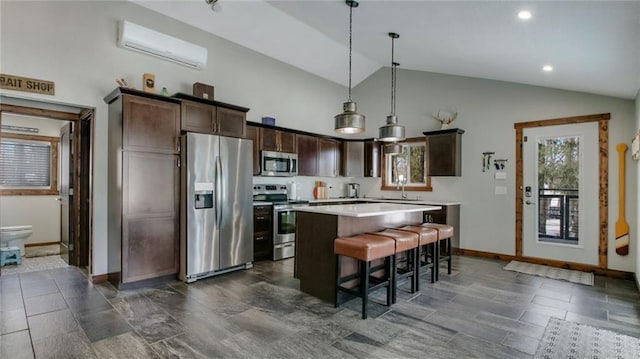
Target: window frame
[(53, 187), (387, 185)]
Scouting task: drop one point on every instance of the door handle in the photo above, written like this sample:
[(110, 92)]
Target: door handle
[(529, 202), (219, 189)]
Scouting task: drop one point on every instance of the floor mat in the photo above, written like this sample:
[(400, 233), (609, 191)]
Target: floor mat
[(563, 339), (551, 272), (35, 264)]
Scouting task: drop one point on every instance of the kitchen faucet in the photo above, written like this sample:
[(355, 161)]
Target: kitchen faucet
[(402, 180)]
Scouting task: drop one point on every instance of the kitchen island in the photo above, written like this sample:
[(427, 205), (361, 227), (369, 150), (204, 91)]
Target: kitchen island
[(318, 226)]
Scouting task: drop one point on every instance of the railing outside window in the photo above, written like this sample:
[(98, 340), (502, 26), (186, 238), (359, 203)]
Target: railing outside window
[(558, 215)]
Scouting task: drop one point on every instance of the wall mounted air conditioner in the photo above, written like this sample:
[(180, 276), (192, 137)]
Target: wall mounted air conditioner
[(138, 38)]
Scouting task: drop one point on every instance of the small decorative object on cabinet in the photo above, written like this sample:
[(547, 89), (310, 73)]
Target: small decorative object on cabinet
[(149, 83), (445, 119), (445, 152), (203, 91), (144, 188)]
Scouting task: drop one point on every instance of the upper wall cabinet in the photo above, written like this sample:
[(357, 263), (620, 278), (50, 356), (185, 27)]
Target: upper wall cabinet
[(445, 152), (212, 117), (150, 125), (353, 159), (276, 140), (329, 155), (372, 158), (307, 155)]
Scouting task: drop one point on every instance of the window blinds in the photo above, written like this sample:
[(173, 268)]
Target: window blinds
[(25, 164)]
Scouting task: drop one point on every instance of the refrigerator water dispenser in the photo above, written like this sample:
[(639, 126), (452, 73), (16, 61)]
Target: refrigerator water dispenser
[(204, 200)]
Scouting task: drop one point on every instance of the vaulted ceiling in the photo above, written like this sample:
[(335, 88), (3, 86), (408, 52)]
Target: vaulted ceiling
[(593, 46)]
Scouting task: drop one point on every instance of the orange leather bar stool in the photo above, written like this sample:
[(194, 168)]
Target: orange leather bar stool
[(365, 248), (445, 232), (404, 242), (427, 247)]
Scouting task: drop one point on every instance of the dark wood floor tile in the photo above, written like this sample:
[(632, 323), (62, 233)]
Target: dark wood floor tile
[(535, 318), (40, 287), (379, 330), (265, 328), (16, 345), (186, 346), (44, 304), (157, 326), (485, 349), (12, 321), (511, 325), (94, 302), (127, 345), (361, 346), (490, 306), (420, 325), (582, 309), (52, 323), (68, 345), (522, 343), (412, 344), (102, 325), (468, 326)]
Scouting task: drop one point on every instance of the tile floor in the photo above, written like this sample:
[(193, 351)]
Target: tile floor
[(478, 311)]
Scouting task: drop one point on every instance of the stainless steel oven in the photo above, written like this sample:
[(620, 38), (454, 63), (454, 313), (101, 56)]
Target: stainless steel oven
[(284, 231), (279, 164)]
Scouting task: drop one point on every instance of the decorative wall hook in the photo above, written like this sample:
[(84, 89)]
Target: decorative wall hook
[(486, 160)]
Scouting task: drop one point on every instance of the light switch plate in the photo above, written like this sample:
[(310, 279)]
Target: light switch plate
[(501, 175), (501, 190)]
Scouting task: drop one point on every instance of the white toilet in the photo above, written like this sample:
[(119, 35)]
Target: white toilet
[(15, 236)]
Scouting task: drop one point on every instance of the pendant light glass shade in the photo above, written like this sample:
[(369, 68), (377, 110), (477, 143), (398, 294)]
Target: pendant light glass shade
[(392, 132), (350, 121)]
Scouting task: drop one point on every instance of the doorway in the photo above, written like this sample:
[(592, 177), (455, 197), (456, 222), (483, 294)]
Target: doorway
[(560, 215), (561, 196), (71, 184)]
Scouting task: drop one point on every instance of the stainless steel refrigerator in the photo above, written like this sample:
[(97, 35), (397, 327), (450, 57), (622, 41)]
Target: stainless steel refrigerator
[(217, 205)]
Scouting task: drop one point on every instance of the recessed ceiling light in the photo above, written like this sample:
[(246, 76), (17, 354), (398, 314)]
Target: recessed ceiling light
[(547, 68), (524, 15)]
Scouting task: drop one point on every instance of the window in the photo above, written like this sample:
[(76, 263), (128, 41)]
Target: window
[(408, 169), (28, 165)]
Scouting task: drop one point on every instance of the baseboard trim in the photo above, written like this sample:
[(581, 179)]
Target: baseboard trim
[(100, 278), (550, 262), (27, 245)]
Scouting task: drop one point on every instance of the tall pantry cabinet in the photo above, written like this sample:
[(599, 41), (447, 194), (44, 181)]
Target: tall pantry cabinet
[(144, 184)]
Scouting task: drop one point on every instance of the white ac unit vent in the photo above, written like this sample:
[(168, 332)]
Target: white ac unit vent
[(138, 38)]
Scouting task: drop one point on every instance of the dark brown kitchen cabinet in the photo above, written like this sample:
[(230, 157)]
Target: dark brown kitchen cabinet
[(276, 140), (329, 155), (445, 152), (307, 155), (372, 152), (253, 134), (207, 118), (143, 186), (262, 232)]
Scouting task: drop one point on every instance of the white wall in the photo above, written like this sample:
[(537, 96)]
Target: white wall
[(41, 212), (487, 111), (74, 44)]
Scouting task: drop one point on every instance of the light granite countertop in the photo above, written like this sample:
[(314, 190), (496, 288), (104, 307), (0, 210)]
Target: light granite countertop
[(366, 209), (389, 200)]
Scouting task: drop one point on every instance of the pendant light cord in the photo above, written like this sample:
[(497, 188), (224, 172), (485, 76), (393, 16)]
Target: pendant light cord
[(350, 35), (393, 79)]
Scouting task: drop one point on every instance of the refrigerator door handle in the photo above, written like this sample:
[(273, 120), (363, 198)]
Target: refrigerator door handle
[(218, 179)]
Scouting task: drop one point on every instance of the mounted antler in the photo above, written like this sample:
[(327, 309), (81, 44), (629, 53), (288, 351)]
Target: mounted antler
[(445, 121)]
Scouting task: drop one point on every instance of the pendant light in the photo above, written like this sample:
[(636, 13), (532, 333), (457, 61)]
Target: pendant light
[(392, 132), (350, 121)]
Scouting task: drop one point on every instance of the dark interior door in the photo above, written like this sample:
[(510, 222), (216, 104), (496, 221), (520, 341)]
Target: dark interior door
[(66, 193)]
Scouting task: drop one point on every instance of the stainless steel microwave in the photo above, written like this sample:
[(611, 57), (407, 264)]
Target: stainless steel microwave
[(279, 164)]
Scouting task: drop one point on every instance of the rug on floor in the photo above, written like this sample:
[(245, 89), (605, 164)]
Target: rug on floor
[(551, 272), (563, 339), (35, 264)]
